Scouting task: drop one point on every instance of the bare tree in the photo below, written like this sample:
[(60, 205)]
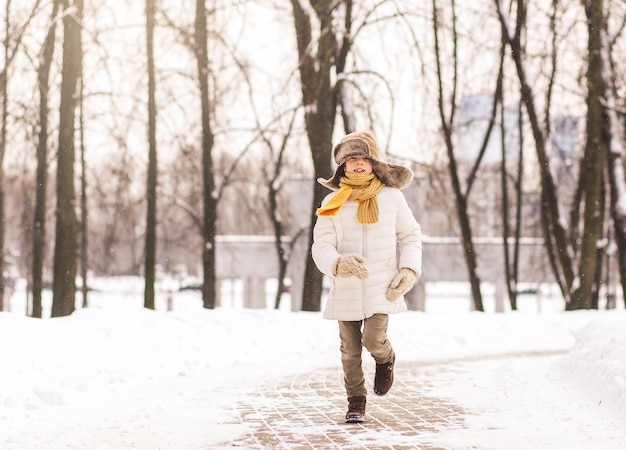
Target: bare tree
[(116, 208), (274, 184), (574, 253), (151, 195), (84, 211), (39, 227), (556, 241), (615, 158), (511, 259), (13, 35), (4, 84), (592, 165), (64, 283), (447, 122), (209, 198), (317, 59)]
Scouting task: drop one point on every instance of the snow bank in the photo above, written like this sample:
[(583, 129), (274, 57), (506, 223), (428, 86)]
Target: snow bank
[(598, 358)]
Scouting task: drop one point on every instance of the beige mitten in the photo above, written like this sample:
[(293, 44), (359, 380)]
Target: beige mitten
[(402, 283), (349, 265)]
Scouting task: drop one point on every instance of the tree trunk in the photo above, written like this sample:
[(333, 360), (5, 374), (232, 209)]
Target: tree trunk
[(557, 245), (618, 212), (64, 283), (84, 211), (320, 102), (274, 186), (460, 199), (150, 245), (511, 267), (343, 88), (39, 228), (4, 85), (278, 227), (209, 291), (615, 160), (593, 161)]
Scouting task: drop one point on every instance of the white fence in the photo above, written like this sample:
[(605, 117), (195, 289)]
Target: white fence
[(253, 260)]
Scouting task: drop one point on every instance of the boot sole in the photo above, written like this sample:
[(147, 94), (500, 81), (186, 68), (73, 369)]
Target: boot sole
[(355, 420)]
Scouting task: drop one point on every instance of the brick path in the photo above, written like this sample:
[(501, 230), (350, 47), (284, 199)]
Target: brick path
[(307, 412)]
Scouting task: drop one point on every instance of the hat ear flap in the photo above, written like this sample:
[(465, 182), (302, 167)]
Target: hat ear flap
[(333, 182), (340, 171), (392, 175), (380, 169)]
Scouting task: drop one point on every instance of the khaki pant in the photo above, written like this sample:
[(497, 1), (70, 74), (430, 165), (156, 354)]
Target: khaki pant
[(374, 338)]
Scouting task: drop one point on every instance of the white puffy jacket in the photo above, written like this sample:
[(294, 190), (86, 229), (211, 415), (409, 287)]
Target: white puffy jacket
[(394, 242)]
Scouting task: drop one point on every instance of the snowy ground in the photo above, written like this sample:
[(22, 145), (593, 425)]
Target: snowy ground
[(116, 376)]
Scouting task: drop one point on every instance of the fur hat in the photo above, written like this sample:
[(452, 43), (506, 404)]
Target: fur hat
[(364, 144)]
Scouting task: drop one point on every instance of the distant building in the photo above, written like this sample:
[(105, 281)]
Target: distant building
[(474, 116), (434, 196)]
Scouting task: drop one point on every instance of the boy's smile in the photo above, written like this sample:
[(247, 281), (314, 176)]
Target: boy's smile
[(358, 164)]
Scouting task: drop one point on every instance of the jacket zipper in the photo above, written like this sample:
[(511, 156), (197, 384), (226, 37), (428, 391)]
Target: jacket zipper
[(363, 290)]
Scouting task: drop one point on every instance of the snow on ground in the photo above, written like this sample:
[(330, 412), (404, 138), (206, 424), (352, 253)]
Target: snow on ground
[(116, 376)]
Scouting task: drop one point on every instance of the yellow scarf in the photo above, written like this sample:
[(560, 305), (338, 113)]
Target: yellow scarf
[(361, 188)]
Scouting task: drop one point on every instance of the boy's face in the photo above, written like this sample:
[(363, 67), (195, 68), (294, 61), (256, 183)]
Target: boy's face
[(358, 164)]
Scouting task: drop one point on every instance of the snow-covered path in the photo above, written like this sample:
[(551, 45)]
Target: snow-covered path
[(115, 376), (512, 402)]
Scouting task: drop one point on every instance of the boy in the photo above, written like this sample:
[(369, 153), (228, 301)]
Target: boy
[(367, 240)]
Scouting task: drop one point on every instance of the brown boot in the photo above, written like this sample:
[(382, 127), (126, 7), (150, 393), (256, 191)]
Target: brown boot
[(384, 377), (356, 409)]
